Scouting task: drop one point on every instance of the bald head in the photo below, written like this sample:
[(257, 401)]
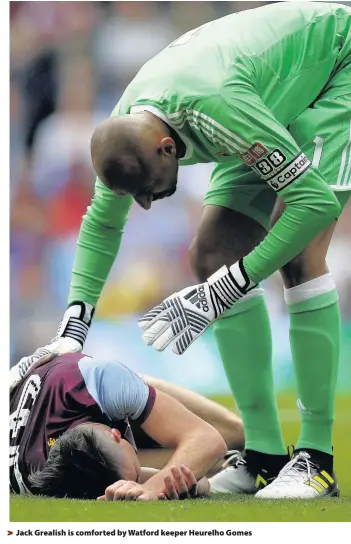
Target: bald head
[(135, 154), (120, 147)]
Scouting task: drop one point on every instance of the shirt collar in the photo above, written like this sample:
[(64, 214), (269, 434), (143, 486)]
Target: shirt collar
[(161, 115)]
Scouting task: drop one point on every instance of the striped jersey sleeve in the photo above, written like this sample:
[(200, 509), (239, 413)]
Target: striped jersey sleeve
[(216, 132), (275, 156), (241, 125)]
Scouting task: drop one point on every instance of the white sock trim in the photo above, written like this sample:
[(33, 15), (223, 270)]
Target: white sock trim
[(310, 289), (240, 305), (257, 292), (254, 293)]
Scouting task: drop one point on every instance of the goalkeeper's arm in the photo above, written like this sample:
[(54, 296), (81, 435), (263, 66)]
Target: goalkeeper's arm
[(311, 207), (275, 156), (98, 244)]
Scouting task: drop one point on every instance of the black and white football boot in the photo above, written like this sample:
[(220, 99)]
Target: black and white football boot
[(309, 475)]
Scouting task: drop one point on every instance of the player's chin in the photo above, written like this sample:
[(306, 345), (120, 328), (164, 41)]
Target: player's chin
[(166, 195), (171, 191)]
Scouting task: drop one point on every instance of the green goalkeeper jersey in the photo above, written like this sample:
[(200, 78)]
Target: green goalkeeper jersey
[(230, 89), (241, 79)]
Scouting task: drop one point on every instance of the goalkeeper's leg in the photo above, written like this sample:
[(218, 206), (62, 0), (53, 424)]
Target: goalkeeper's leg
[(244, 341), (312, 302), (323, 133)]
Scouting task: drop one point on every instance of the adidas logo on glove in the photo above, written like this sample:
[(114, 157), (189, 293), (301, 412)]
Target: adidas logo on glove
[(181, 318), (198, 298)]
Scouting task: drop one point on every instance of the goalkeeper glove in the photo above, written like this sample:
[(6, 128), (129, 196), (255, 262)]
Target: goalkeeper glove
[(69, 338), (185, 315)]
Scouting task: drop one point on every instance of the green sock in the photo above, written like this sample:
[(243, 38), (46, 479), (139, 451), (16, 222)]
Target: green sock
[(315, 346), (244, 341)]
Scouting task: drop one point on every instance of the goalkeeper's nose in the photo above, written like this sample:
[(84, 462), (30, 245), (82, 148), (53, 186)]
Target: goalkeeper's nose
[(144, 201)]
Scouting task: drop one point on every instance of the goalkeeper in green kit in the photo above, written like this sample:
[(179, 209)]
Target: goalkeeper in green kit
[(266, 95)]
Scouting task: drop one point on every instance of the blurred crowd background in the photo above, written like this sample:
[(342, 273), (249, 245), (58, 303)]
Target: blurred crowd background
[(70, 62)]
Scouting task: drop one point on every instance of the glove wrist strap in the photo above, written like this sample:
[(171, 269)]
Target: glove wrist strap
[(76, 321), (227, 286), (240, 277)]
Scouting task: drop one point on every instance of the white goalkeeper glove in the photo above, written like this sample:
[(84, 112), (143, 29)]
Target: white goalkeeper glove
[(69, 338), (185, 315)]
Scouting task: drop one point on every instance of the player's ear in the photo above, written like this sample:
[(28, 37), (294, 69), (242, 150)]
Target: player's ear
[(167, 147), (116, 435)]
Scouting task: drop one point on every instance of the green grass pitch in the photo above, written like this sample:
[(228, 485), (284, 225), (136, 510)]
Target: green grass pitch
[(226, 508)]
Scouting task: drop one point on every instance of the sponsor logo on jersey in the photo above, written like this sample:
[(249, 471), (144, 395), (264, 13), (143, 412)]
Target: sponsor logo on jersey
[(198, 298), (252, 155), (289, 173)]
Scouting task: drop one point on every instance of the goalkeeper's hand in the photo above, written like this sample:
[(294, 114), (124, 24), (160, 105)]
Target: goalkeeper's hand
[(185, 315), (70, 338)]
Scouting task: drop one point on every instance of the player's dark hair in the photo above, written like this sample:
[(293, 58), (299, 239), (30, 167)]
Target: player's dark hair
[(76, 467)]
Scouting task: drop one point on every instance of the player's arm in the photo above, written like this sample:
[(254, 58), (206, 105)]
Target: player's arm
[(146, 473), (227, 423), (121, 394), (242, 120), (196, 443), (97, 247), (98, 243), (178, 483), (193, 488), (240, 124)]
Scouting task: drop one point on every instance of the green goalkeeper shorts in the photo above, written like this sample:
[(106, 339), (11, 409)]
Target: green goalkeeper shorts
[(323, 132)]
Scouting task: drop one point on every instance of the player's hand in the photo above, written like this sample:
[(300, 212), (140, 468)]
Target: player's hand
[(185, 315), (180, 484), (125, 490), (70, 338)]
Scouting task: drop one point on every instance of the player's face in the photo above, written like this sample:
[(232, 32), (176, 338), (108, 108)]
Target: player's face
[(161, 182), (120, 452), (128, 464), (156, 190)]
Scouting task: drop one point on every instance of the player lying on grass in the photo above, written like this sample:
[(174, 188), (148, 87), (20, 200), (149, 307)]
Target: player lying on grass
[(227, 423), (264, 94), (70, 433)]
